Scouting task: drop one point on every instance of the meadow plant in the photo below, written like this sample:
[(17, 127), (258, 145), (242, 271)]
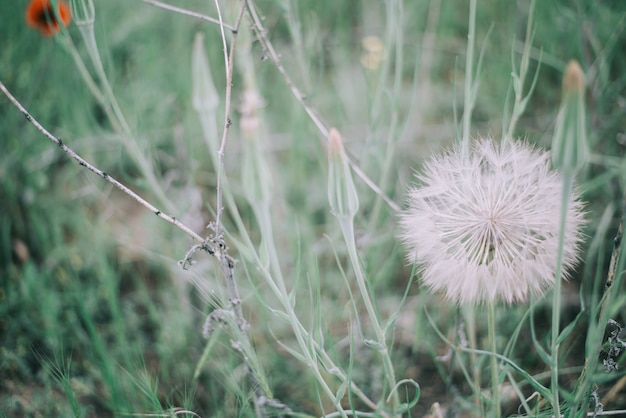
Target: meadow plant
[(484, 226), (489, 228)]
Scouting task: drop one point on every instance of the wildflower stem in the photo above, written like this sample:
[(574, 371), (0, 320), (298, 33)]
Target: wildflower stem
[(312, 352), (495, 387), (520, 102), (469, 315), (556, 296), (394, 40), (542, 390), (469, 81), (84, 72), (302, 336), (347, 228)]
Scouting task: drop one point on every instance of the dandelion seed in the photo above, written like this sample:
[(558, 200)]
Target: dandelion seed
[(484, 225), (41, 15)]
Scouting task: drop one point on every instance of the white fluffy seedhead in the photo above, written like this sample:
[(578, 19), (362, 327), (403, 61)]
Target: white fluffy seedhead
[(484, 225)]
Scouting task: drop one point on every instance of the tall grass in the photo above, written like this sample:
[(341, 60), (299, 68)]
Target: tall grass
[(288, 300)]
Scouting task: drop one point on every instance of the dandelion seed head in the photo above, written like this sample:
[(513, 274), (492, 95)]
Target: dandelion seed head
[(484, 226)]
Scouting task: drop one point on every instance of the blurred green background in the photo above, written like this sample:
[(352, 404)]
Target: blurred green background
[(96, 317)]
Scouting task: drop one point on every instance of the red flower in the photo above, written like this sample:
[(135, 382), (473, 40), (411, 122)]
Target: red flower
[(40, 15)]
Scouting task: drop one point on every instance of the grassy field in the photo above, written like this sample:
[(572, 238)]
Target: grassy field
[(291, 305)]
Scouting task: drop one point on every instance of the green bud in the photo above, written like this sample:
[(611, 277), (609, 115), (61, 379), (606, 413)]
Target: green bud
[(569, 145), (83, 12), (342, 196)]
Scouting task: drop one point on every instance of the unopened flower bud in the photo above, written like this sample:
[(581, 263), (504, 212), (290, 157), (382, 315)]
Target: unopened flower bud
[(342, 196), (569, 145), (84, 12)]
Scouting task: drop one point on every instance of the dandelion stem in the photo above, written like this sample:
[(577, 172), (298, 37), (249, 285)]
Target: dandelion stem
[(495, 387), (556, 296)]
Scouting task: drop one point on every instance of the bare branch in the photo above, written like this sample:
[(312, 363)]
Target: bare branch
[(83, 163), (189, 13), (229, 59)]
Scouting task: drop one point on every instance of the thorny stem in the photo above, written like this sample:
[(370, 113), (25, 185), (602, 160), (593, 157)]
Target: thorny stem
[(83, 163), (270, 52), (228, 62)]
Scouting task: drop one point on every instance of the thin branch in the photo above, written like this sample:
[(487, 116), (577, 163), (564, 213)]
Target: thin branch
[(83, 163), (261, 35), (189, 13), (229, 59)]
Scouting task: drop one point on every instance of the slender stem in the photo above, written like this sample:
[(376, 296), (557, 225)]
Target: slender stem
[(347, 228), (469, 313), (229, 59), (519, 104), (556, 297), (188, 13), (303, 337), (275, 277), (395, 40), (495, 381), (469, 80)]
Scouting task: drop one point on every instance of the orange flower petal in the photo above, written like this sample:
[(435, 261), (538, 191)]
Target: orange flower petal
[(40, 15)]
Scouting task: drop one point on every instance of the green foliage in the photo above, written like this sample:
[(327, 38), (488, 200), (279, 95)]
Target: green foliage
[(98, 319)]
